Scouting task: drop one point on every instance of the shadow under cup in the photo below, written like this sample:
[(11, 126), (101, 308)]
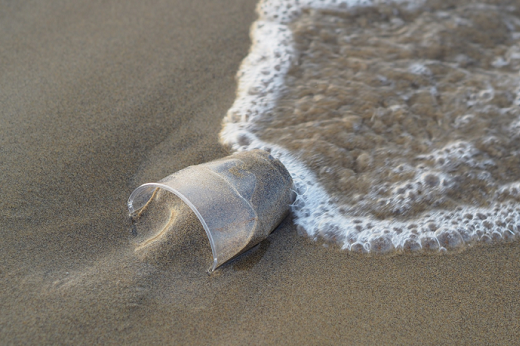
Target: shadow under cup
[(239, 199)]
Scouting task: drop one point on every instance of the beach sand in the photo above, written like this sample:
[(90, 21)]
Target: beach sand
[(100, 96)]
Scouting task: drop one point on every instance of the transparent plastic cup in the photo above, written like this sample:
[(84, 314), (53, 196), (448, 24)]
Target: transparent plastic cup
[(239, 199)]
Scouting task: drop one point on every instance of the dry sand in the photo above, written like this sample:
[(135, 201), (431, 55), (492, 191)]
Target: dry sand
[(100, 96)]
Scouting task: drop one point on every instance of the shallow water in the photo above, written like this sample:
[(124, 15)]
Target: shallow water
[(398, 123)]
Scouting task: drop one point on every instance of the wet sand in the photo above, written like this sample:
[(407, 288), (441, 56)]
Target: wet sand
[(99, 97)]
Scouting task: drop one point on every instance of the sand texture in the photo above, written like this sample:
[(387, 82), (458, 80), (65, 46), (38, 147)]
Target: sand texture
[(98, 97)]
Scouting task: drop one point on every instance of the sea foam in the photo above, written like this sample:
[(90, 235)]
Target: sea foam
[(429, 181)]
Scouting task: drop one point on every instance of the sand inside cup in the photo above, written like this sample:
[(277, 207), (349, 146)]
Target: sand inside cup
[(167, 232)]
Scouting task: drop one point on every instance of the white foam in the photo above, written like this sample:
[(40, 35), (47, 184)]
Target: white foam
[(420, 69), (260, 82)]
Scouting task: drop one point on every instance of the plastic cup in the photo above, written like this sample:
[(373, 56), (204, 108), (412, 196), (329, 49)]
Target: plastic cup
[(239, 199)]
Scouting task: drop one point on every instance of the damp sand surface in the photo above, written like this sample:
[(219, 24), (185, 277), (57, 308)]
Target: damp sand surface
[(98, 98)]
